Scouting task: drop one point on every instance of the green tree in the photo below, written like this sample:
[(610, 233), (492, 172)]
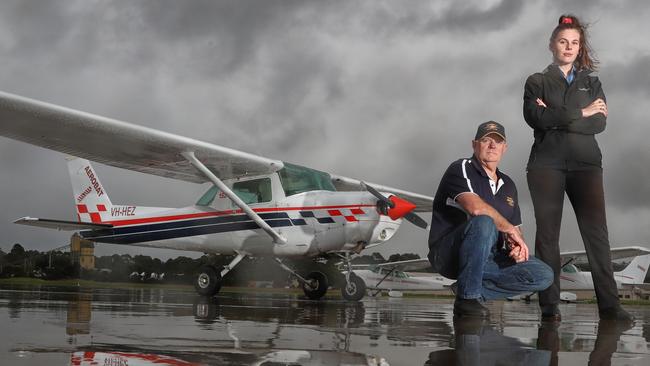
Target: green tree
[(16, 255)]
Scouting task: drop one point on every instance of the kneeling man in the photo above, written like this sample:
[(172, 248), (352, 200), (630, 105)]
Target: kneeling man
[(475, 236)]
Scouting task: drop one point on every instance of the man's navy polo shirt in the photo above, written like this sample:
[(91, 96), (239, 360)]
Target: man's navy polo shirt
[(467, 175)]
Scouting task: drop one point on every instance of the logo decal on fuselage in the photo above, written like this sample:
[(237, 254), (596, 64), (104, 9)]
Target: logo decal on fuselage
[(94, 182), (84, 194)]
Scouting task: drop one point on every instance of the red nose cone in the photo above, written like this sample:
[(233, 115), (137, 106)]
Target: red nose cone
[(402, 207)]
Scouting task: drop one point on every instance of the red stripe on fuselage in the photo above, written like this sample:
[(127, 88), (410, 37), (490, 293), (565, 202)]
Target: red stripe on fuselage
[(147, 220)]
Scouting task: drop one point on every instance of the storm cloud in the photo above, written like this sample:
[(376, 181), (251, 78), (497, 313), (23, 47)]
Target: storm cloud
[(386, 91)]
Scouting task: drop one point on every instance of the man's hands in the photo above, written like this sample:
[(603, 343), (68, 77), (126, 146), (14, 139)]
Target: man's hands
[(517, 245)]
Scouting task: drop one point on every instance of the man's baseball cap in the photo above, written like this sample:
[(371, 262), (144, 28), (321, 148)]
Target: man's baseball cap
[(489, 127)]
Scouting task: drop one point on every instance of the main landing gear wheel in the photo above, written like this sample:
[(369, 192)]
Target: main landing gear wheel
[(355, 289), (208, 281), (316, 285)]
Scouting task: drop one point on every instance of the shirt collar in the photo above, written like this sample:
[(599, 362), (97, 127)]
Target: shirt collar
[(571, 75), (577, 73)]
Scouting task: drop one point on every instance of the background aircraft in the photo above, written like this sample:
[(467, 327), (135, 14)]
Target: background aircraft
[(393, 276), (256, 206), (571, 278)]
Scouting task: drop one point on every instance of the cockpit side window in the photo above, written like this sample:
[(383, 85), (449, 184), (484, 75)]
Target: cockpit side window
[(253, 191), (298, 179), (250, 191), (208, 197)]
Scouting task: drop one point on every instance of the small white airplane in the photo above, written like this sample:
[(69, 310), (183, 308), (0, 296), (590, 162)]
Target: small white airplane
[(571, 278), (256, 206), (393, 277)]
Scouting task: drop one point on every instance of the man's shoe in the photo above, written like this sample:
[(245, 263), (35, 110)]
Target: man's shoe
[(551, 313), (470, 308), (615, 313)]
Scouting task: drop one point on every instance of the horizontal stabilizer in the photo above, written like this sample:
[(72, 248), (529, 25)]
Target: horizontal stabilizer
[(60, 224)]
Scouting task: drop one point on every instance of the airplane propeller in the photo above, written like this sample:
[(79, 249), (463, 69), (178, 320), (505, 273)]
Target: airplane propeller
[(395, 207)]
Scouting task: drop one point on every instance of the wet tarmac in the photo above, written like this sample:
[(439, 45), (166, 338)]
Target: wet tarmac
[(130, 327)]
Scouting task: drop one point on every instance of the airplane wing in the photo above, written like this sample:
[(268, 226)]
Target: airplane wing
[(121, 144), (408, 265), (423, 203), (580, 256), (60, 224), (142, 149)]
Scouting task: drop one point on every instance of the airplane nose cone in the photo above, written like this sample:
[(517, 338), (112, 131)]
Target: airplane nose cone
[(400, 207)]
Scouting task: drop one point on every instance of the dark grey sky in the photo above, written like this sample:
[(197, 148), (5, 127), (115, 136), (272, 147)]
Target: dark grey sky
[(386, 91)]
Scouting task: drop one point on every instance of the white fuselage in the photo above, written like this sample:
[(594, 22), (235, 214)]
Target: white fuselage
[(573, 279), (313, 222)]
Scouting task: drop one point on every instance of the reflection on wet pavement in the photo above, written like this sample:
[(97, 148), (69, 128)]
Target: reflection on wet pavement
[(71, 326)]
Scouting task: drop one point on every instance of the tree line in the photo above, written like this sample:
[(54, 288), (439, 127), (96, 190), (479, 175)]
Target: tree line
[(19, 262)]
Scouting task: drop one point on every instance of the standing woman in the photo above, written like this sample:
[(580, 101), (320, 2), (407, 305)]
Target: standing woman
[(565, 106)]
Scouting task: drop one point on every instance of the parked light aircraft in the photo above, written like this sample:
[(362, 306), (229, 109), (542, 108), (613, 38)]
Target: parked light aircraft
[(571, 278), (394, 276), (256, 207)]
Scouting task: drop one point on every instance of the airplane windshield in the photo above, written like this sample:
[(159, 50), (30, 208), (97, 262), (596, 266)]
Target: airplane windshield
[(298, 179)]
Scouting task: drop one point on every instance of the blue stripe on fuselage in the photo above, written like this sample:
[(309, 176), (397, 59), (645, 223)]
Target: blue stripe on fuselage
[(185, 228)]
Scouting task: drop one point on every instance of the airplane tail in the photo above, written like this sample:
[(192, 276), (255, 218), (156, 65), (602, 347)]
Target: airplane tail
[(636, 271), (91, 199)]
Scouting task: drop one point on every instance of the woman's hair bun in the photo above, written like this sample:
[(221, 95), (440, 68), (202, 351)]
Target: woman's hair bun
[(569, 20)]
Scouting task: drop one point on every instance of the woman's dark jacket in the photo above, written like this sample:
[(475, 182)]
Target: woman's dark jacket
[(563, 138)]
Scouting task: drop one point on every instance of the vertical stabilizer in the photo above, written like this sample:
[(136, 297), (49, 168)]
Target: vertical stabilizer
[(636, 271), (91, 200)]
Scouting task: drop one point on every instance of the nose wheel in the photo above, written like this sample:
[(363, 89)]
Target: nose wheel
[(354, 289)]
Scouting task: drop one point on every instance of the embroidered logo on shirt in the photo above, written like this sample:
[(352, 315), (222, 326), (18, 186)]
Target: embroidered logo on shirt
[(583, 89), (510, 201)]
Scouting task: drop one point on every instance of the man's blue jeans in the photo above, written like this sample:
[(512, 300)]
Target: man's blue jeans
[(482, 268)]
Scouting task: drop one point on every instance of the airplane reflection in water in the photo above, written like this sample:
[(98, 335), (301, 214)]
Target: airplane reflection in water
[(245, 333), (139, 326)]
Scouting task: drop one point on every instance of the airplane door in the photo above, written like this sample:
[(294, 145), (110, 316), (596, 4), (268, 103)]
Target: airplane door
[(258, 194)]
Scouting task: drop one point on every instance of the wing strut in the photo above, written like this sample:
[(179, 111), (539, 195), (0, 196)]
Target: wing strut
[(277, 238)]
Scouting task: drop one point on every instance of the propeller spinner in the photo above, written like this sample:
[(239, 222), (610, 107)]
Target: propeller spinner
[(396, 207)]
